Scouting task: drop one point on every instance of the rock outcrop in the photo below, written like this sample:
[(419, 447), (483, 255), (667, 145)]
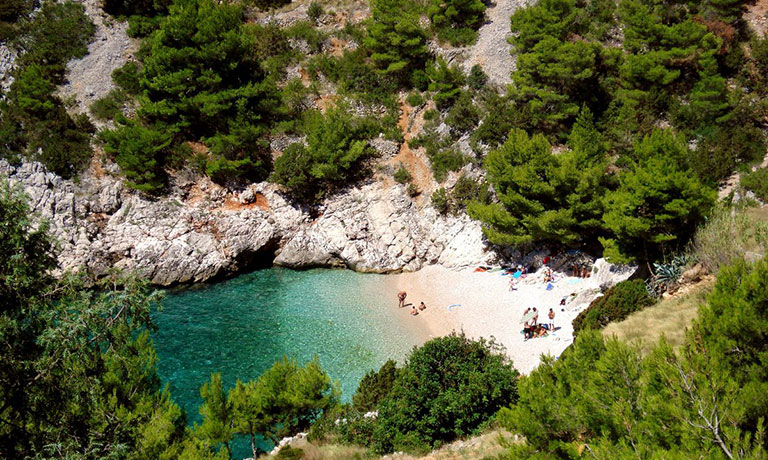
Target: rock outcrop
[(201, 231)]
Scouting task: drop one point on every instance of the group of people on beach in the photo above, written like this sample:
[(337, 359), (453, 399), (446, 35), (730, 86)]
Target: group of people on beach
[(532, 328), (401, 298)]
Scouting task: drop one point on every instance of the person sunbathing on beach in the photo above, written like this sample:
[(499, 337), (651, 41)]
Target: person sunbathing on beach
[(414, 312), (401, 297), (422, 306)]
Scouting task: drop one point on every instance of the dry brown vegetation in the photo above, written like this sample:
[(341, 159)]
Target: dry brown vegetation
[(669, 318), (488, 445)]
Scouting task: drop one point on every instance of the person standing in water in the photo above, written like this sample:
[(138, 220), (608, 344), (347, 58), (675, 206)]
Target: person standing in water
[(401, 297), (422, 306)]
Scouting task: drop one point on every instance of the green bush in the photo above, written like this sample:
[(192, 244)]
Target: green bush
[(757, 182), (127, 77), (268, 4), (374, 387), (467, 190), (314, 11), (463, 116), (306, 30), (11, 11), (108, 106), (440, 200), (446, 161), (58, 33), (618, 302), (334, 156), (413, 190), (456, 20), (449, 387), (290, 453), (402, 175), (445, 82), (397, 43), (477, 78), (414, 99), (140, 152)]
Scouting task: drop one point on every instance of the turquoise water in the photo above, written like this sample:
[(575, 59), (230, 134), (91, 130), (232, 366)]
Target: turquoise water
[(239, 327)]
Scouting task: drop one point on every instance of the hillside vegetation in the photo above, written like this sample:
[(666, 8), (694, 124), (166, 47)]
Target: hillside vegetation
[(623, 118)]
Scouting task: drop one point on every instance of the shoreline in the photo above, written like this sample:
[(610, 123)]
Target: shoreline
[(481, 305)]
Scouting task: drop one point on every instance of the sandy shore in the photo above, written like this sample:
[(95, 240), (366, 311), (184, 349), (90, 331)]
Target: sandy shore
[(482, 305)]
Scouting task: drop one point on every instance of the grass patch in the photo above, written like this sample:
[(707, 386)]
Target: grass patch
[(669, 318)]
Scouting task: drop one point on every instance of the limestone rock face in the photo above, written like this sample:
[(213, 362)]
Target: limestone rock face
[(201, 231)]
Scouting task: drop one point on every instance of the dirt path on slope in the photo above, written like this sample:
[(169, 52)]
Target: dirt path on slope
[(492, 51), (421, 174)]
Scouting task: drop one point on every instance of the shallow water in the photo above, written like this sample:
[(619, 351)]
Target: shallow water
[(239, 327)]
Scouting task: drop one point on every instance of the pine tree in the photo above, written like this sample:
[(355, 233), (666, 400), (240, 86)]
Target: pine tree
[(395, 38)]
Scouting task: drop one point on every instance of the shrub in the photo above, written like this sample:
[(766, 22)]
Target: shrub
[(108, 106), (449, 387), (314, 11), (618, 302), (397, 43), (413, 190), (306, 30), (374, 387), (336, 150), (446, 82), (468, 190), (414, 99), (402, 175), (456, 20), (727, 236), (268, 4), (463, 116), (440, 200), (477, 78), (445, 161), (757, 182), (140, 152), (431, 114), (127, 77)]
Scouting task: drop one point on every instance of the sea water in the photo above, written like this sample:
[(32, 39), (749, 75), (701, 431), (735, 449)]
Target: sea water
[(241, 326)]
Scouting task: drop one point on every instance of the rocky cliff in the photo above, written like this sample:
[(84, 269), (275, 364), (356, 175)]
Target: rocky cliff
[(201, 231)]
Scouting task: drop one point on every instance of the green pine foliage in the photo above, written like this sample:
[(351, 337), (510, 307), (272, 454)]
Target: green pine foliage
[(658, 203), (395, 39), (34, 122), (335, 155), (703, 399), (542, 197), (618, 302), (139, 151), (78, 376), (456, 20), (374, 387), (284, 400)]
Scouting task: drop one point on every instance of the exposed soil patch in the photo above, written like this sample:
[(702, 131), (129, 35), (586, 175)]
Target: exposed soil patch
[(232, 203), (755, 16), (414, 161)]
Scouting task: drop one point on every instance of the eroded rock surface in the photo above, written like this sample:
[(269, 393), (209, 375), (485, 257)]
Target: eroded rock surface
[(201, 231)]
